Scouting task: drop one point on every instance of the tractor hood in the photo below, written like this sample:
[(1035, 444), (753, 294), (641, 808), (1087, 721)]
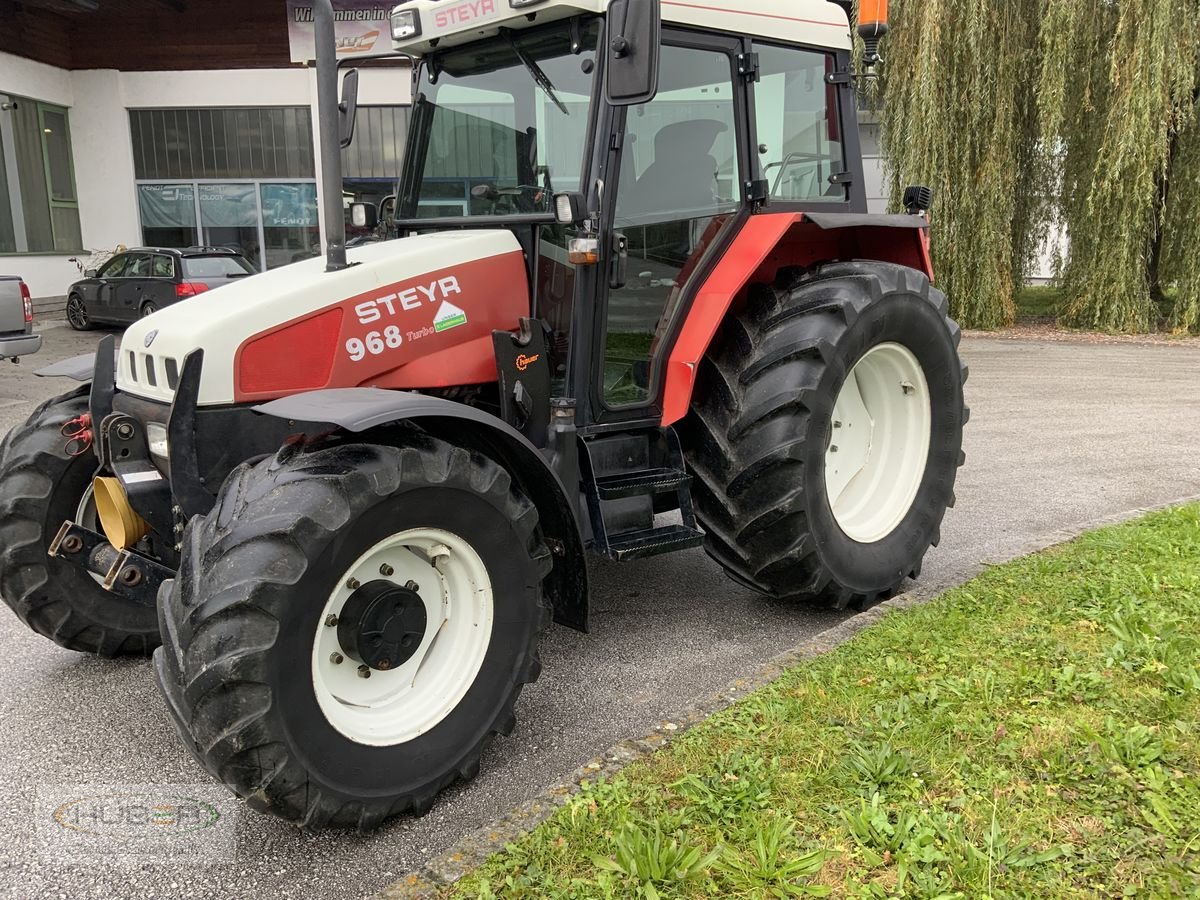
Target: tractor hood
[(411, 313)]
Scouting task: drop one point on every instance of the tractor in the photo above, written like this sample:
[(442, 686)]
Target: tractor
[(634, 305)]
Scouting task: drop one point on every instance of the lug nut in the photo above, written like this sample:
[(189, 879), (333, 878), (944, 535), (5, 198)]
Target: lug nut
[(364, 671), (352, 584), (833, 449), (385, 664), (386, 571), (336, 658), (413, 586), (837, 424), (331, 621)]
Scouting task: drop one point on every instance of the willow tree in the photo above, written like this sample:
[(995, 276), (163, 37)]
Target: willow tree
[(1117, 97), (959, 114), (1083, 112)]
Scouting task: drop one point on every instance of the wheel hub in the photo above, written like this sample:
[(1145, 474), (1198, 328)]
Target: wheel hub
[(382, 625)]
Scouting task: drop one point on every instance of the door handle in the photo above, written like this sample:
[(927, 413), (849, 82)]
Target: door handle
[(618, 271)]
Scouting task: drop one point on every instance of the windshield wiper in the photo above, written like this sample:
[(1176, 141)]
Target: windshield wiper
[(540, 78)]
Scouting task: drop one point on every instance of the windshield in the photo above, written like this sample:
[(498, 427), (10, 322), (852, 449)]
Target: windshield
[(500, 125)]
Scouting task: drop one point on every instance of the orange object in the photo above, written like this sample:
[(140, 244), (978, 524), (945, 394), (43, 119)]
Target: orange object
[(873, 16)]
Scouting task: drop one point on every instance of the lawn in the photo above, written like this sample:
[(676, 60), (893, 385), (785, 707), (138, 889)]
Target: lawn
[(1035, 733)]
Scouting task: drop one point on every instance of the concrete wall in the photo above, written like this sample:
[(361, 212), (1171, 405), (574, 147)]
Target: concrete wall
[(102, 145)]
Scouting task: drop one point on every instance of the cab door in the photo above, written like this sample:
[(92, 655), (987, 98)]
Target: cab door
[(680, 187)]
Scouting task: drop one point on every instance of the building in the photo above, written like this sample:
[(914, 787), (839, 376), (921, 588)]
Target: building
[(175, 123)]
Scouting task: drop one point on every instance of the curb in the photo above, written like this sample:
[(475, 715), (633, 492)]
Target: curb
[(472, 850)]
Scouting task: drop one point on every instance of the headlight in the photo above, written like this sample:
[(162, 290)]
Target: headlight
[(156, 439), (406, 23)]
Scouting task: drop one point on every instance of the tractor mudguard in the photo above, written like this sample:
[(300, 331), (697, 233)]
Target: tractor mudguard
[(361, 409), (767, 243)]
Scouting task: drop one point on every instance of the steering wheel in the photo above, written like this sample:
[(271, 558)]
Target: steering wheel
[(524, 198)]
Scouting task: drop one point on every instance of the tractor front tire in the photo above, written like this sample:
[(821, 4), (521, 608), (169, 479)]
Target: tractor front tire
[(312, 563), (825, 433), (42, 486)]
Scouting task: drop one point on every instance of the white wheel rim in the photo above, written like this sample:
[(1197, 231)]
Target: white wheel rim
[(879, 443), (395, 706)]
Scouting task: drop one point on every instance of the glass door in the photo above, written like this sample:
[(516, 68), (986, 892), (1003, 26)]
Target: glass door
[(229, 217)]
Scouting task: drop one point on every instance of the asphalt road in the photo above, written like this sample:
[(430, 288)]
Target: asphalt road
[(1062, 434)]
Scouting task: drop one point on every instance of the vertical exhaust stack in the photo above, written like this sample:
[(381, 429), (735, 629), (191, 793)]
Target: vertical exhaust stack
[(872, 26), (329, 139)]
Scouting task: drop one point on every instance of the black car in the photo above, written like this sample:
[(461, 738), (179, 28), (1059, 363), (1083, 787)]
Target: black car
[(138, 282)]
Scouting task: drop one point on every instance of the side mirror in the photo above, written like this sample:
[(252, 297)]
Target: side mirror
[(634, 47), (363, 215), (348, 108), (387, 208), (90, 273)]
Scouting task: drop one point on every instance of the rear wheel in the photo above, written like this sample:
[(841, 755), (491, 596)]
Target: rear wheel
[(77, 314), (149, 308), (826, 433), (351, 625), (41, 486)]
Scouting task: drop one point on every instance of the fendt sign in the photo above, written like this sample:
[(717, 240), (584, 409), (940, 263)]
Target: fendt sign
[(361, 26)]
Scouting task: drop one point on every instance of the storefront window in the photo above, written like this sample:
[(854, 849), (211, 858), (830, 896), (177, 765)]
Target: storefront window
[(168, 215), (290, 229)]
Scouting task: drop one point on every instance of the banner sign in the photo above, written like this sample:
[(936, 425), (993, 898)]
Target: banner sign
[(361, 26)]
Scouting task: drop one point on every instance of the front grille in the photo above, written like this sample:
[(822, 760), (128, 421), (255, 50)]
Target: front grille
[(132, 366), (151, 377)]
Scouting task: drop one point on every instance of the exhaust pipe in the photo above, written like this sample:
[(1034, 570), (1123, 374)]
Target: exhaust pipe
[(329, 139)]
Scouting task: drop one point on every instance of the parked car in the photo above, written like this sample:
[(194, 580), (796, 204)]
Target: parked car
[(16, 320), (138, 282)]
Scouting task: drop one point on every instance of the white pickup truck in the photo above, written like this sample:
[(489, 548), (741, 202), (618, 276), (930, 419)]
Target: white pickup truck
[(16, 320)]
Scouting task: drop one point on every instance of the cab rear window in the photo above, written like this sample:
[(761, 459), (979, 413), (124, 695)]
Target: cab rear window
[(215, 266)]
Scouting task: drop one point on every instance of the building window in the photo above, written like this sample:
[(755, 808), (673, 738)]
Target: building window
[(219, 144), (39, 207)]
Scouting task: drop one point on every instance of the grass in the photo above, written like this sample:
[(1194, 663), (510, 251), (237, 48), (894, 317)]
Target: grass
[(1039, 302), (1035, 733)]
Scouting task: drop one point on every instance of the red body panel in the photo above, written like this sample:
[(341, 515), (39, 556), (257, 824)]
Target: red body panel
[(765, 245), (388, 337)]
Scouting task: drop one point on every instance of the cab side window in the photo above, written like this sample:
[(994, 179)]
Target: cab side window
[(799, 129)]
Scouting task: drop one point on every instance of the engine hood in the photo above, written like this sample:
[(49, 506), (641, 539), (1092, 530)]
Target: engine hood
[(300, 327)]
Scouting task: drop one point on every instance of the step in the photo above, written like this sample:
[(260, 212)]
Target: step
[(653, 542), (637, 484)]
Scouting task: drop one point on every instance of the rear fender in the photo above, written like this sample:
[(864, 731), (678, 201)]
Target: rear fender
[(766, 244), (359, 410)]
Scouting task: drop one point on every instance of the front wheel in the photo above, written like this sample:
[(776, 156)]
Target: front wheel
[(351, 625), (41, 486), (825, 433), (77, 314)]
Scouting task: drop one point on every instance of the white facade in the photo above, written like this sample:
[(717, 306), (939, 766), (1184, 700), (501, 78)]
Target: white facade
[(99, 102)]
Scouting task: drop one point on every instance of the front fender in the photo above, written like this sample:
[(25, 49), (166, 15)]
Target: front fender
[(362, 409)]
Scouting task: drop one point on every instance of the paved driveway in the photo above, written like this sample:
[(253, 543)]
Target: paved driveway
[(1061, 434)]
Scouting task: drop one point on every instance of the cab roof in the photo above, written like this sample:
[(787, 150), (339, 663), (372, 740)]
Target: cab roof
[(448, 23)]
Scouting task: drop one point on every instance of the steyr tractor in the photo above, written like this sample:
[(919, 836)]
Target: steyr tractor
[(634, 305)]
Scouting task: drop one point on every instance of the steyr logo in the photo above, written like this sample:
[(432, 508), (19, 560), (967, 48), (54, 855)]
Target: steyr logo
[(150, 338)]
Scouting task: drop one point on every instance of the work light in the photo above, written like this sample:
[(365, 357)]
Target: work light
[(406, 23)]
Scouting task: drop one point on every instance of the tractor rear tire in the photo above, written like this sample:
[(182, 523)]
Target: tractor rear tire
[(252, 626), (41, 486), (762, 429)]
